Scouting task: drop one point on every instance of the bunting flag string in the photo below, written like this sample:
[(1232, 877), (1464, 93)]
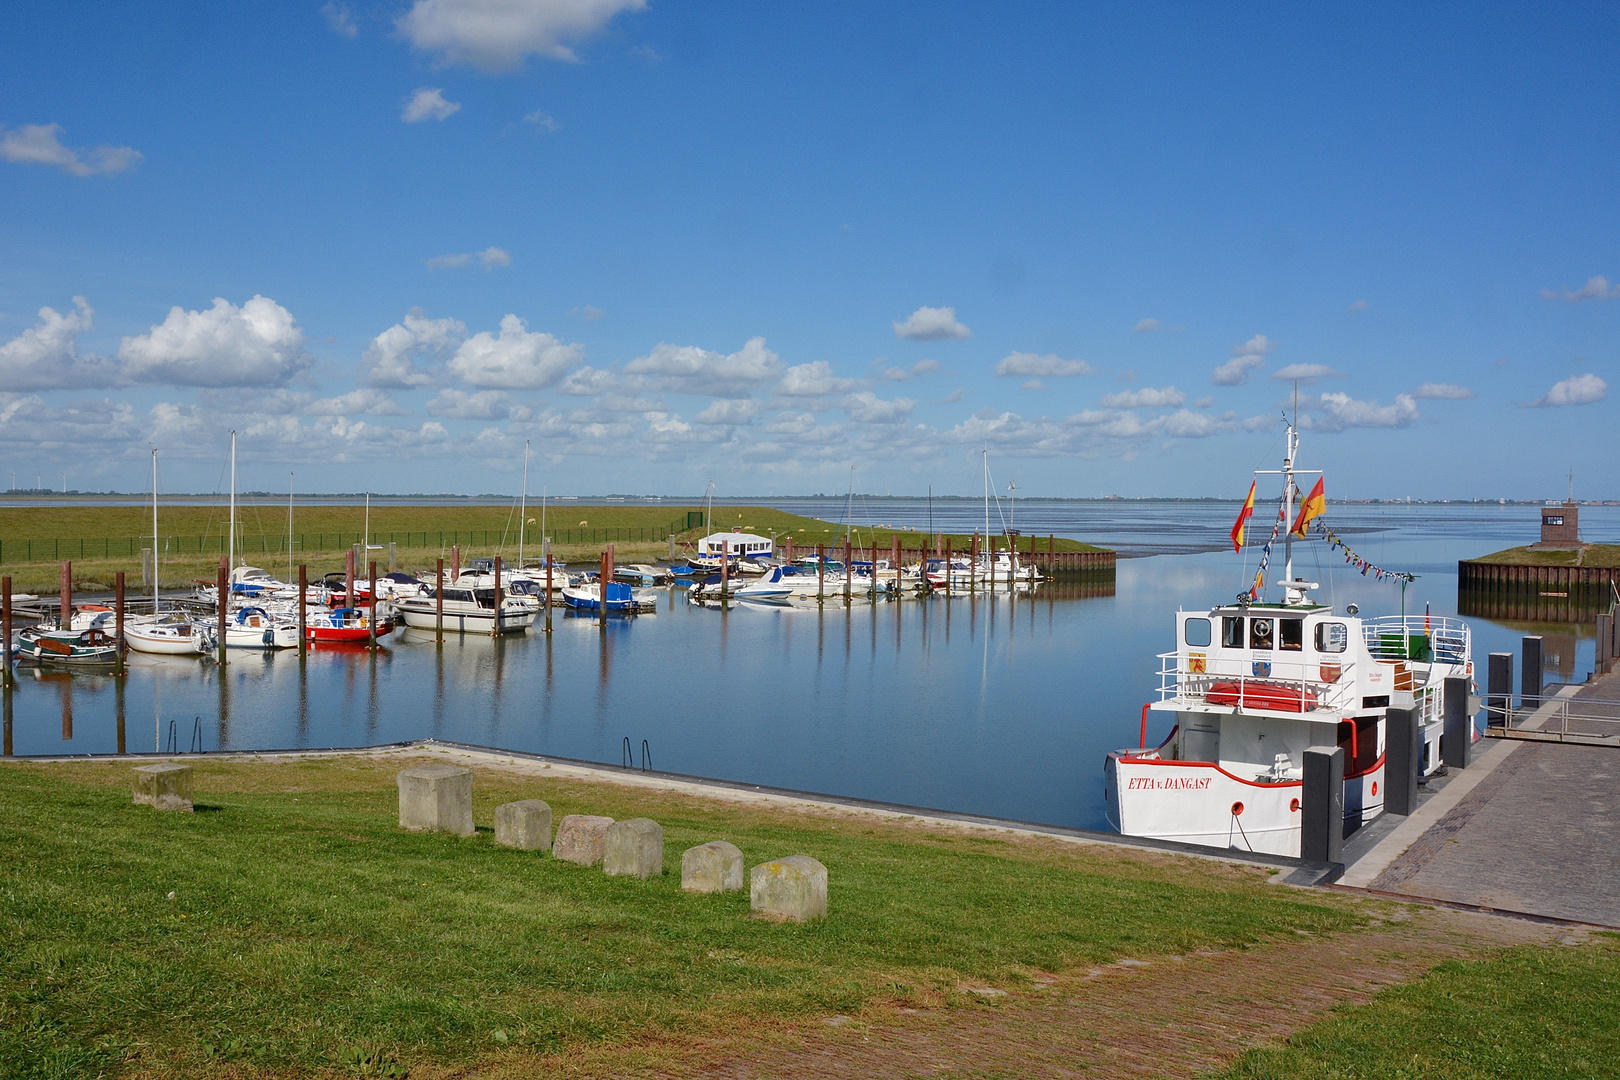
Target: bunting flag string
[(1265, 553), (1367, 569)]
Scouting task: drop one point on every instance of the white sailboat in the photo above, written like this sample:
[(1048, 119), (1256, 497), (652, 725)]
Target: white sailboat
[(172, 634)]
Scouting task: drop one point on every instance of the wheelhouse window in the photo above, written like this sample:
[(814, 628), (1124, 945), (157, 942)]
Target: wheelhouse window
[(1261, 634), (1196, 632), (1232, 631), (1291, 634), (1332, 637)]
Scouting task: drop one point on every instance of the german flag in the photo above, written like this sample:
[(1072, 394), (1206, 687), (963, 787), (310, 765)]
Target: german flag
[(1314, 505), (1244, 515)]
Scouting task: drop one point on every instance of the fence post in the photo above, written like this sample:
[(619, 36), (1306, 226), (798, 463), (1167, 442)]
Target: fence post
[(1530, 681), (1321, 833), (1403, 759), (1457, 738)]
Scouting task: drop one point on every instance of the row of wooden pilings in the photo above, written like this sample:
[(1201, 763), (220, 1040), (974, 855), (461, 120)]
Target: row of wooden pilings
[(1038, 552), (1472, 574)]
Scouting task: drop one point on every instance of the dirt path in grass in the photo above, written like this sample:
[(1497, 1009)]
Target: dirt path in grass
[(1179, 1016)]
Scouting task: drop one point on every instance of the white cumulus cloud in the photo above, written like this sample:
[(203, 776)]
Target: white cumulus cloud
[(340, 17), (516, 360), (729, 411), (813, 380), (894, 373), (40, 144), (867, 408), (1577, 390), (1154, 326), (1442, 391), (1025, 365), (1340, 411), (1305, 372), (46, 356), (542, 120), (391, 358), (460, 405), (497, 35), (364, 401), (1246, 359), (1597, 287), (688, 369), (489, 258), (428, 103), (257, 344), (932, 324), (1147, 397)]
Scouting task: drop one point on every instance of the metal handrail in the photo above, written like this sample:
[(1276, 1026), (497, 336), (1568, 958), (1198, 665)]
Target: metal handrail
[(1501, 714), (1177, 680)]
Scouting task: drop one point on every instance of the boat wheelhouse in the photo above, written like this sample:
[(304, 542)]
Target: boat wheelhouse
[(1250, 686)]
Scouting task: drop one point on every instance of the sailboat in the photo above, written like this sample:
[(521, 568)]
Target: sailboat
[(1251, 685), (171, 634)]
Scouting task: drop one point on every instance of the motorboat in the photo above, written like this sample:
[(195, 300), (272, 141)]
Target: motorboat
[(252, 627), (342, 626), (641, 574), (44, 645), (1251, 685), (468, 610), (778, 584), (172, 634), (592, 596)]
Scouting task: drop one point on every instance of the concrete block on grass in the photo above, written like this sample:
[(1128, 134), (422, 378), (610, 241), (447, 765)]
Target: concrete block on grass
[(713, 867), (791, 888), (166, 786), (524, 825), (437, 798), (633, 848), (580, 839)]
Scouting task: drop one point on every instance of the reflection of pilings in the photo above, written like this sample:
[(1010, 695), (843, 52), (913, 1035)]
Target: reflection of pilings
[(118, 709), (6, 694), (1529, 602), (65, 689)]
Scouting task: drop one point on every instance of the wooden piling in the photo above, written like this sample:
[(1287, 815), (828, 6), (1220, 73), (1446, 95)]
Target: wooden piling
[(348, 579), (499, 600), (455, 562), (545, 549), (118, 619), (223, 603), (438, 604), (973, 563), (5, 639), (725, 570), (371, 603), (945, 557), (899, 580), (64, 619), (303, 610), (821, 573), (849, 570)]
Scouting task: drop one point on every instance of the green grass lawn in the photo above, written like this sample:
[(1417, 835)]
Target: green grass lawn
[(1528, 1012), (34, 539), (1591, 555), (290, 928)]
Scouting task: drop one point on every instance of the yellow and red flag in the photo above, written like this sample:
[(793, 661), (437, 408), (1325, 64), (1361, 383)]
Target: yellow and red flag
[(1244, 515), (1315, 505)]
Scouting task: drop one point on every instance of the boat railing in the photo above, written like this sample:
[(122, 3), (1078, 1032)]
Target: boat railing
[(1189, 678), (1433, 639)]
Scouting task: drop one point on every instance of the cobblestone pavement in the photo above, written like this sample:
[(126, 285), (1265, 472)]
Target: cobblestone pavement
[(1540, 834)]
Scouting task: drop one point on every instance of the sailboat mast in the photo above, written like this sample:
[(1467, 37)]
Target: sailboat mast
[(230, 554), (986, 454), (523, 503), (154, 534), (292, 481)]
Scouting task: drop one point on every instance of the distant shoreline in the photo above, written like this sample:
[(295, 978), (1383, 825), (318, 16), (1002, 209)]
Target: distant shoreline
[(14, 500)]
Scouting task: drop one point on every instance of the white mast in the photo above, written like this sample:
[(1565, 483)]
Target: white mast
[(1288, 502), (230, 557), (291, 481), (986, 456), (154, 534), (365, 541), (523, 503)]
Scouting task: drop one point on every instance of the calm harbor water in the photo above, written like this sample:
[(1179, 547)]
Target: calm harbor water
[(993, 705)]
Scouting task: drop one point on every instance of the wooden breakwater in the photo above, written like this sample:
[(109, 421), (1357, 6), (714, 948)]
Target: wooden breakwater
[(1526, 592)]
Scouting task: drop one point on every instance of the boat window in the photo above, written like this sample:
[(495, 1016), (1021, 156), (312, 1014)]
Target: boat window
[(1232, 631), (1332, 637), (1291, 634), (1260, 634), (1196, 632)]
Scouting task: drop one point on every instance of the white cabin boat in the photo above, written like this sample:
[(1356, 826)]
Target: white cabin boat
[(1250, 686), (468, 611)]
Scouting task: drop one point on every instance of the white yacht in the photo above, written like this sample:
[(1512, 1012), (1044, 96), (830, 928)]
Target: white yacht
[(1251, 685), (468, 610)]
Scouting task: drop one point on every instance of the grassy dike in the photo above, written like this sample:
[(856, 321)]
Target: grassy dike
[(289, 928), (581, 532)]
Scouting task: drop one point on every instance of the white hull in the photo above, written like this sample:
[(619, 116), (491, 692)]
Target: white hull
[(1200, 803), (481, 621), (164, 641)]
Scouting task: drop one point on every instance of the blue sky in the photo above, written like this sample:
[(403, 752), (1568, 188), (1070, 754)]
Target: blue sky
[(669, 243)]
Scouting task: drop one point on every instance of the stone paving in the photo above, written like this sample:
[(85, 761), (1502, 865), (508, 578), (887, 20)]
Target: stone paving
[(1540, 834)]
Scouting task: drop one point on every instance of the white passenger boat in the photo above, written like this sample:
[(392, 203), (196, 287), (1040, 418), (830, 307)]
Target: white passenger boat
[(468, 611), (1251, 685)]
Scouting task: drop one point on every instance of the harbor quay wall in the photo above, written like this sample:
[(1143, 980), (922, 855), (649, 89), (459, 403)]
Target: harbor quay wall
[(1526, 592)]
